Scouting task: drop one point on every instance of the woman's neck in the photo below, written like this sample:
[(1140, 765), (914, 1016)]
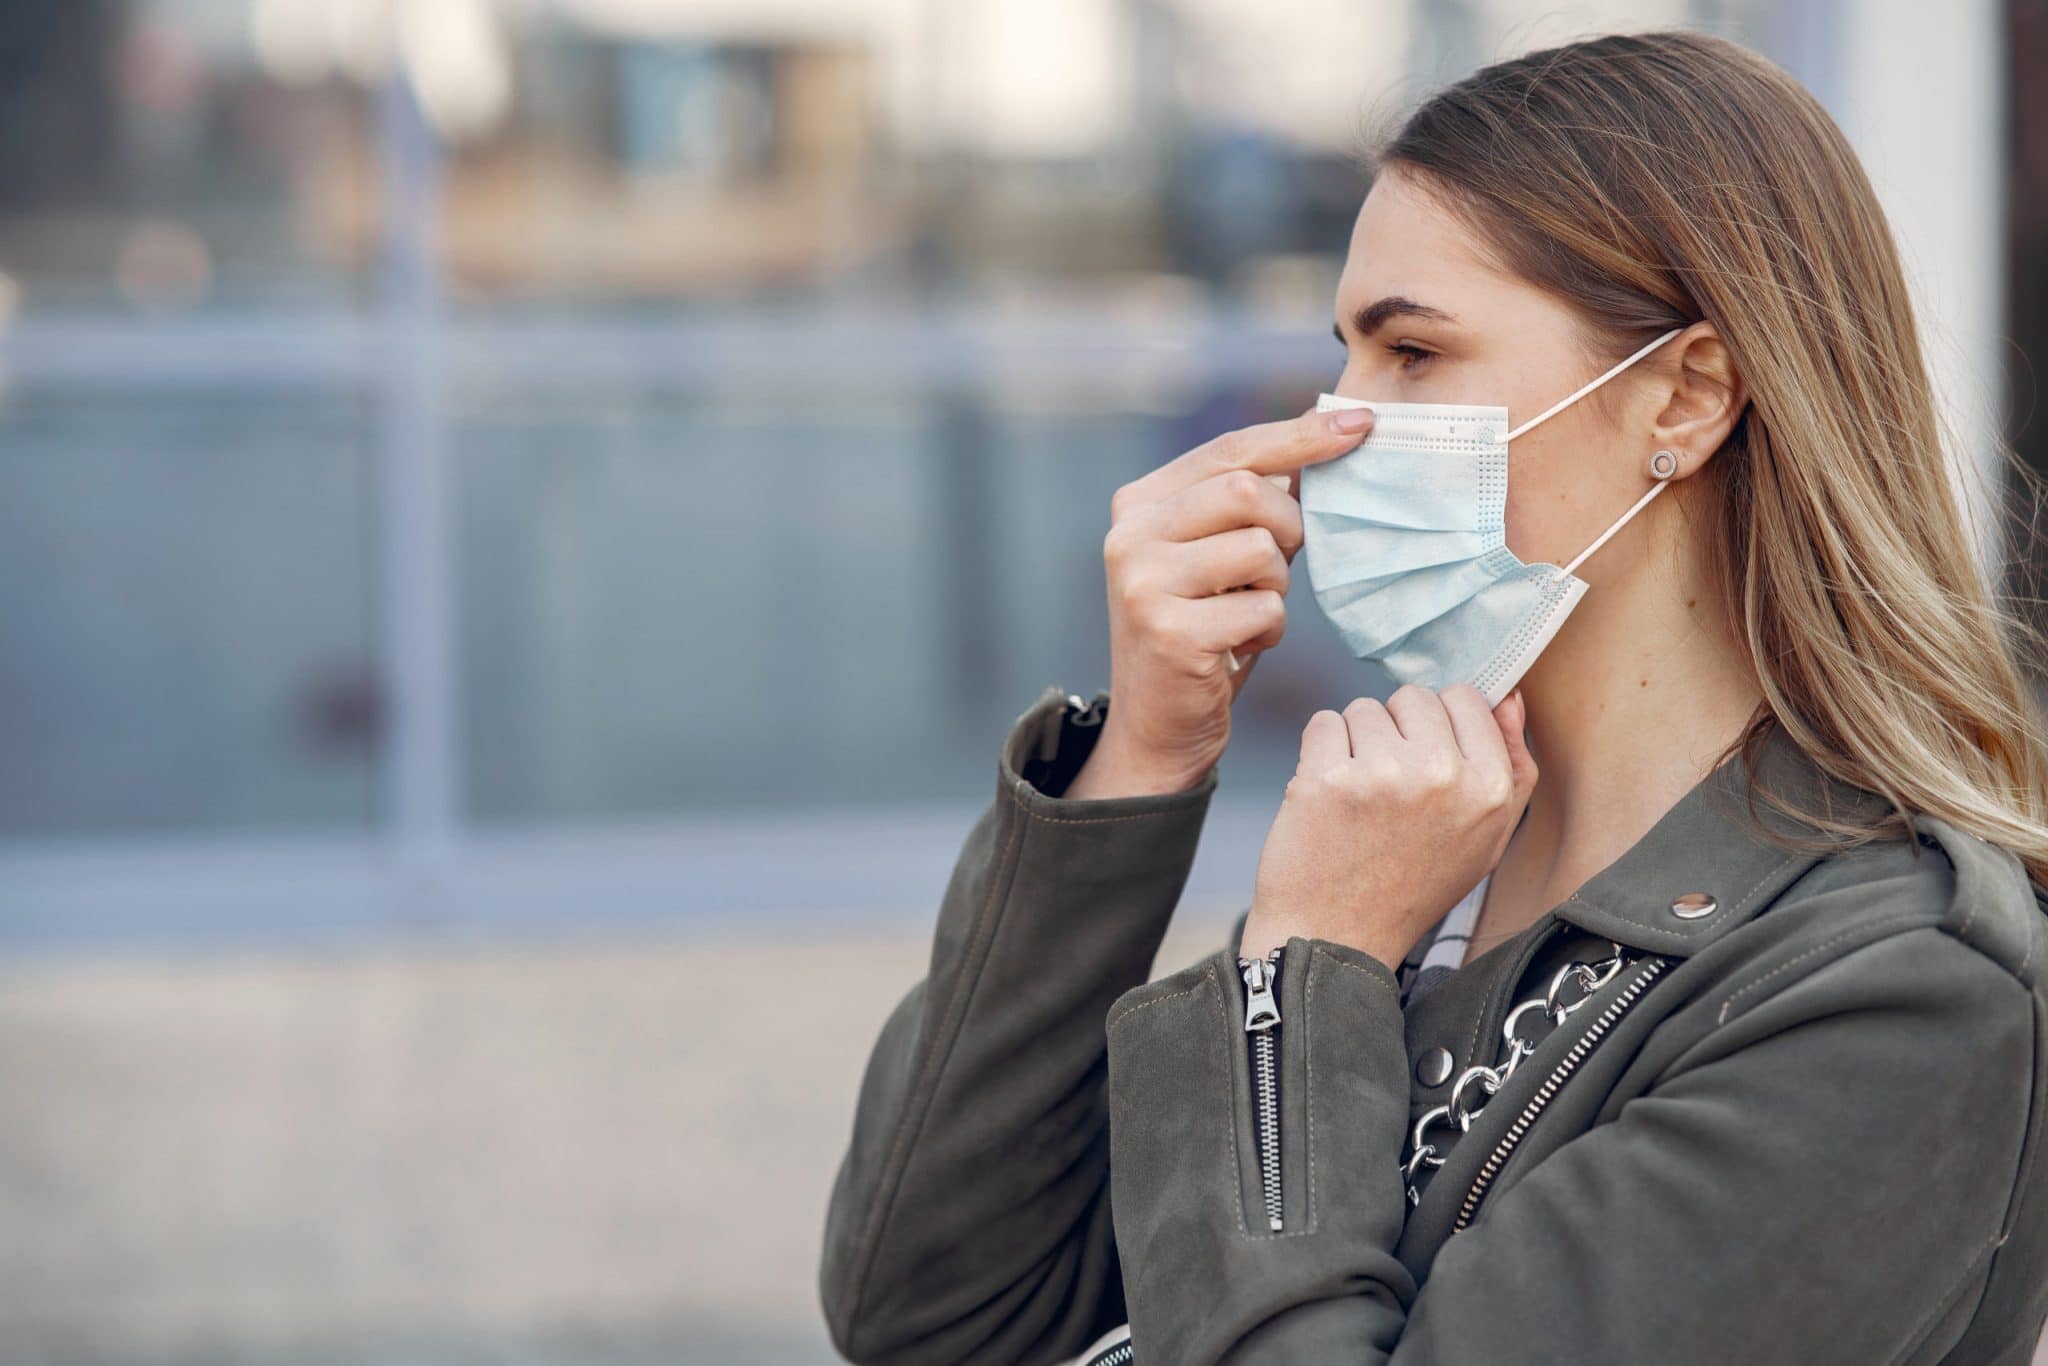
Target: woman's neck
[(1628, 708)]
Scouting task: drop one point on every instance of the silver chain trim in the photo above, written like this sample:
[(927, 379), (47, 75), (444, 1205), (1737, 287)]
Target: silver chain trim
[(1460, 1109)]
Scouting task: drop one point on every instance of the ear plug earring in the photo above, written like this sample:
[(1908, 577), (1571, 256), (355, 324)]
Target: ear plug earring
[(1663, 465)]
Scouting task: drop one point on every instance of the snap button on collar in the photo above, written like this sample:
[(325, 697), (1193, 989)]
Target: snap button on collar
[(1693, 905), (1434, 1066)]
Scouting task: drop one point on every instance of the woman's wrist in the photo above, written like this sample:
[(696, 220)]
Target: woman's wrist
[(1113, 769), (1263, 934)]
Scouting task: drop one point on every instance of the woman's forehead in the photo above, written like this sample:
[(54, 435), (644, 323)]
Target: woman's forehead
[(1406, 243)]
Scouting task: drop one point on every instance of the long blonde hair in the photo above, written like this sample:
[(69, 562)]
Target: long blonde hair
[(1656, 179)]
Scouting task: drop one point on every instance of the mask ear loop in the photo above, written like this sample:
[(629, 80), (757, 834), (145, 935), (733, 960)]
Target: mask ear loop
[(1662, 466), (1589, 386)]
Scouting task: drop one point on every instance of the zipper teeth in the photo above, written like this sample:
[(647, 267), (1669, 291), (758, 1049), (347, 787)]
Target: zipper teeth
[(1565, 1067), (1262, 1021), (1269, 1123), (1119, 1355)]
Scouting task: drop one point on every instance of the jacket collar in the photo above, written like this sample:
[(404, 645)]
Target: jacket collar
[(1707, 843)]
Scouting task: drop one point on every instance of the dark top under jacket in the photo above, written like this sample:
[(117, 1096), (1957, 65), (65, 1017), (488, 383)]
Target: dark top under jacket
[(1804, 1126)]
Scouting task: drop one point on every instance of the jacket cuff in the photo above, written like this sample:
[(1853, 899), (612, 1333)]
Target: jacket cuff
[(1204, 1272), (1047, 746), (1095, 877)]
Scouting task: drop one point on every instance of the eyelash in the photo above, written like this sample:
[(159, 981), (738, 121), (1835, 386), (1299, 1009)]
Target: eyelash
[(1412, 357)]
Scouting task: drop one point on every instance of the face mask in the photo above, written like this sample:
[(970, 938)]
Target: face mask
[(1406, 540)]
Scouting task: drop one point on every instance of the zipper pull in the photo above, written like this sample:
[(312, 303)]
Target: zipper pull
[(1261, 1010)]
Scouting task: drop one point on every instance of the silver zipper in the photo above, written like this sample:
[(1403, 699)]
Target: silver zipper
[(1116, 1354), (1262, 1022), (1566, 1065)]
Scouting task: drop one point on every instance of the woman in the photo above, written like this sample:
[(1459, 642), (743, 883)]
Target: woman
[(1743, 1058)]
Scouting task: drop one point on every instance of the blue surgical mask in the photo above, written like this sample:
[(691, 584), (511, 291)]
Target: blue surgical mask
[(1406, 541)]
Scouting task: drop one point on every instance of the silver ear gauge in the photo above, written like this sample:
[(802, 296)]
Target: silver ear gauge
[(1663, 465)]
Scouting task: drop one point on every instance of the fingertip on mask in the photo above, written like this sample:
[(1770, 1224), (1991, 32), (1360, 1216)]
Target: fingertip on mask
[(1348, 421)]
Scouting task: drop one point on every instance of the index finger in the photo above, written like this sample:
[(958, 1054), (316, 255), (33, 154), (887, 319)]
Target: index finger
[(1472, 722), (1265, 448)]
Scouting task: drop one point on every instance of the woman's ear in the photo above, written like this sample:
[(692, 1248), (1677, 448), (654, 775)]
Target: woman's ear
[(1704, 400)]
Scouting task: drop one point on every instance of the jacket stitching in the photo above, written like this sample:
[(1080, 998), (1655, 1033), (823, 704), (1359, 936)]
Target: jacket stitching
[(1945, 1301), (1244, 1223), (1705, 926), (1722, 1017), (1741, 903), (925, 1087), (2029, 1155), (1129, 1011), (1308, 1068), (2030, 1145), (1209, 978), (1021, 805), (1363, 971), (1317, 956), (1472, 1040)]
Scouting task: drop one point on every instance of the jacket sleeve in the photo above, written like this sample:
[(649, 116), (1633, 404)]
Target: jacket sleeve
[(1820, 1178), (970, 1218)]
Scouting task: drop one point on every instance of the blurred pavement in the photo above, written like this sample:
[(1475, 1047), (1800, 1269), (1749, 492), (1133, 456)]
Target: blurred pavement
[(555, 1152)]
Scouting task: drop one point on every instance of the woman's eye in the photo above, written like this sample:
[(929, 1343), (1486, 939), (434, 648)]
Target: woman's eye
[(1412, 358)]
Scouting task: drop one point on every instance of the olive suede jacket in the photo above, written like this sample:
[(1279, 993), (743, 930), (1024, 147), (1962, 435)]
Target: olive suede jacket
[(1814, 1134)]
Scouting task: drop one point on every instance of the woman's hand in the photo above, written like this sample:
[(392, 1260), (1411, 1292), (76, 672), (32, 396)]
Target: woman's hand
[(1197, 557), (1394, 813)]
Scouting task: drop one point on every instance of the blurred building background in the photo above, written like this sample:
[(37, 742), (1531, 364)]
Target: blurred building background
[(522, 525)]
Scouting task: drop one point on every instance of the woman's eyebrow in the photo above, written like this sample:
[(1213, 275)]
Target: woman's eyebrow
[(1377, 314)]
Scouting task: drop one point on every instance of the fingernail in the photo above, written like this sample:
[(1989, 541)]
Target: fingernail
[(1350, 421), (1279, 481)]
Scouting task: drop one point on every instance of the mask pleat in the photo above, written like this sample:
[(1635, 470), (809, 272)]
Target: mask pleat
[(1372, 613)]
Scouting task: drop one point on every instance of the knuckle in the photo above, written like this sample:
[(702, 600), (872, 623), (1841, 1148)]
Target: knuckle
[(1381, 773), (1243, 486), (1140, 605), (1121, 502), (1464, 690), (1149, 623)]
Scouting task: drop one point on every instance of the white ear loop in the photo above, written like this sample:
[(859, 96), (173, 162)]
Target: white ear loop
[(1588, 387), (1663, 479)]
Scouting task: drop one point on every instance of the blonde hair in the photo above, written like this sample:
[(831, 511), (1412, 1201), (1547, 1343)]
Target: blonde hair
[(1656, 179)]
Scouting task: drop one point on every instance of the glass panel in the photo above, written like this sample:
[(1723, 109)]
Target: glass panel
[(691, 581), (676, 602), (184, 639), (187, 232)]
